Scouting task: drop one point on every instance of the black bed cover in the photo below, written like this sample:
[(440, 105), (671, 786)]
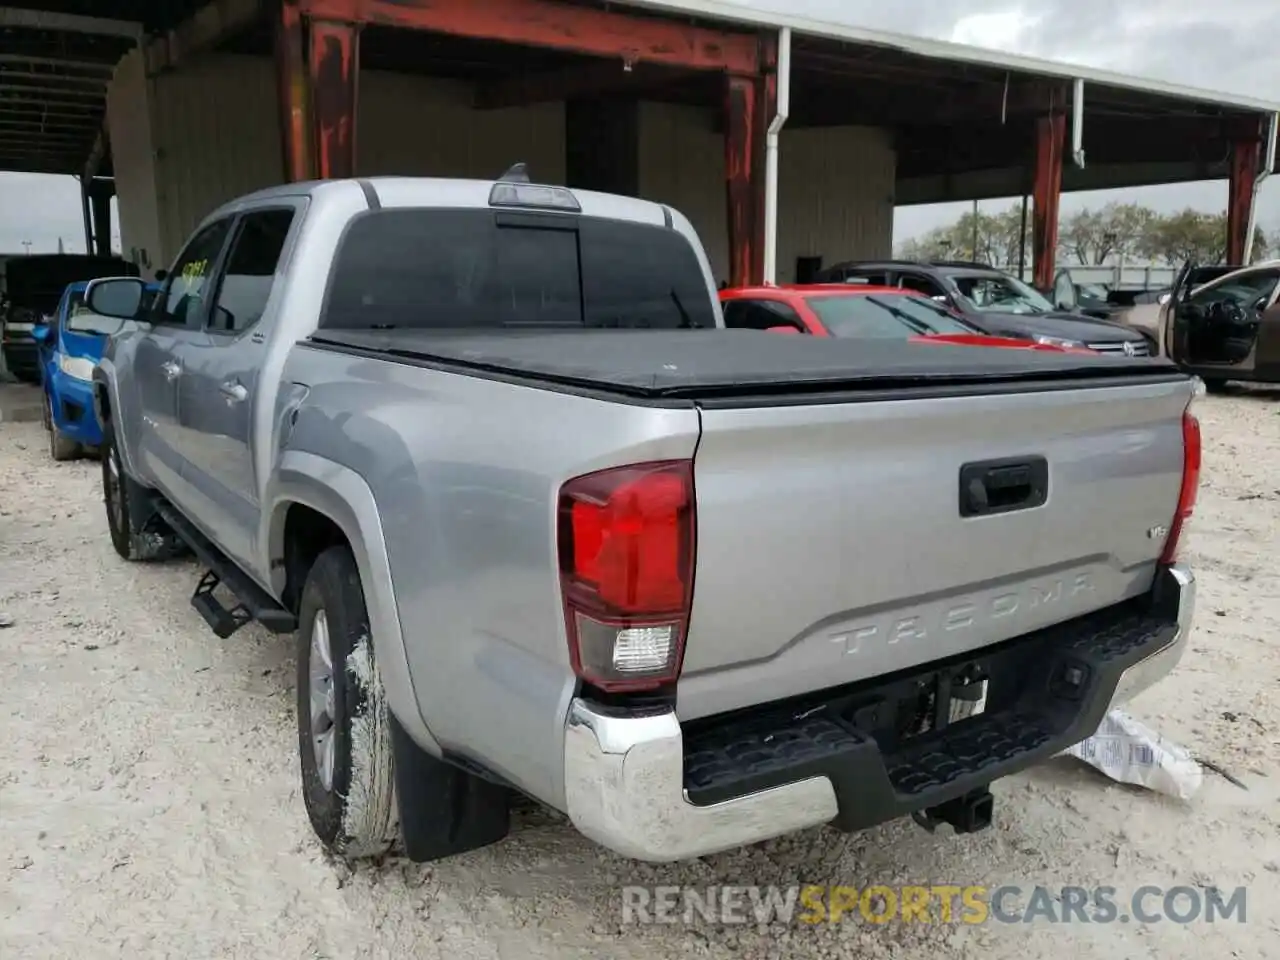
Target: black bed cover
[(697, 364)]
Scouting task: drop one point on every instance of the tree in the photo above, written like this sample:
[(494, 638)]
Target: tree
[(1117, 232), (1187, 235), (982, 237), (1114, 232)]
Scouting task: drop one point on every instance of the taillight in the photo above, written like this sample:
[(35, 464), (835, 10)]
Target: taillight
[(1190, 485), (626, 545)]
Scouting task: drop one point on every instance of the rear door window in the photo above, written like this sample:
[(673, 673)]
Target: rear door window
[(466, 268), (251, 269)]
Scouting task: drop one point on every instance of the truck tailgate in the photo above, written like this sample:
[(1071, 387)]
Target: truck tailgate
[(831, 545)]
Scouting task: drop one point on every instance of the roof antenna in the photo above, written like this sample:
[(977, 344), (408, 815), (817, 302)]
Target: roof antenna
[(517, 173)]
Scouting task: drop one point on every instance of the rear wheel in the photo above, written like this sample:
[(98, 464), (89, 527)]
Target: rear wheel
[(1215, 386), (344, 727), (60, 447), (358, 764)]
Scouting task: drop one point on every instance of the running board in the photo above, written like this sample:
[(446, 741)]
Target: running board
[(253, 603)]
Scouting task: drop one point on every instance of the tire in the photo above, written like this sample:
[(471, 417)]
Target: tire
[(135, 540), (1215, 386), (60, 448), (344, 726)]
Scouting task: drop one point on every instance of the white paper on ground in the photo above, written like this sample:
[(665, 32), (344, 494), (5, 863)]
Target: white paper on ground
[(1129, 751)]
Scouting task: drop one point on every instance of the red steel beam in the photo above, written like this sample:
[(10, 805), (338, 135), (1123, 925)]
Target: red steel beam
[(750, 103), (335, 70), (767, 108), (1046, 191), (1243, 174), (560, 26), (742, 104), (293, 93)]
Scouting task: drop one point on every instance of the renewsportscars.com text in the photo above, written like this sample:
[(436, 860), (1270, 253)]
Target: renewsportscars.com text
[(937, 903)]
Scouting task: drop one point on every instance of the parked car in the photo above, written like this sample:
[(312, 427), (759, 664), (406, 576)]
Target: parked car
[(995, 302), (852, 311), (1089, 299), (34, 285), (1227, 328), (70, 346), (541, 524)]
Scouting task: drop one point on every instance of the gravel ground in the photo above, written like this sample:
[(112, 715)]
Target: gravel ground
[(149, 803)]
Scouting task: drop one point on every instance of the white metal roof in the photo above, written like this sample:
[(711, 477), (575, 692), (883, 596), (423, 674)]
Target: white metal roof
[(945, 50)]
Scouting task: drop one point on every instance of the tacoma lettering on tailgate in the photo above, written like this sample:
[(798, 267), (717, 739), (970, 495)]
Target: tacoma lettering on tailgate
[(969, 613)]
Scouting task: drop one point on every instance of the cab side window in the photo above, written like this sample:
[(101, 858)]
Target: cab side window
[(761, 315), (182, 302), (251, 270), (921, 284), (867, 278)]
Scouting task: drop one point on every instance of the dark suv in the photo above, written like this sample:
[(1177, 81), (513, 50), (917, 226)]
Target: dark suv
[(33, 288), (994, 302)]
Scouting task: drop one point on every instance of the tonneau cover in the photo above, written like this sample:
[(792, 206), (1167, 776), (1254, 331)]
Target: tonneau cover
[(696, 363)]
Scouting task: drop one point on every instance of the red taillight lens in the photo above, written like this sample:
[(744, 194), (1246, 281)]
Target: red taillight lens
[(626, 572), (1190, 486)]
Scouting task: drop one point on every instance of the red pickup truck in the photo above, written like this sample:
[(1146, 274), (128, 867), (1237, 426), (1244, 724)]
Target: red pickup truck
[(857, 312)]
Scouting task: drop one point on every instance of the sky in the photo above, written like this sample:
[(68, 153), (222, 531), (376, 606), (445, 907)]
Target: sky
[(1227, 45)]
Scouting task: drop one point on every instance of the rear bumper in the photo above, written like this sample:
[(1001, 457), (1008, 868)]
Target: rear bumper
[(645, 788)]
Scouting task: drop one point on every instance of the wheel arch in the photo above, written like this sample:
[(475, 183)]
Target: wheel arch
[(108, 408), (310, 499)]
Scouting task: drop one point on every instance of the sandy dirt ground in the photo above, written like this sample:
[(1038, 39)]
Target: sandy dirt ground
[(149, 801)]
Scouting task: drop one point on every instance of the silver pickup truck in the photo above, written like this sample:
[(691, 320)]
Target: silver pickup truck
[(542, 526)]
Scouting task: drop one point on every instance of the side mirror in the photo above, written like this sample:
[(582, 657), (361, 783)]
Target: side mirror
[(781, 329), (161, 274), (1164, 299), (41, 333), (116, 297)]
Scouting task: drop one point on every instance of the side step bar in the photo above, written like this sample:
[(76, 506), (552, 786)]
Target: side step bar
[(254, 603)]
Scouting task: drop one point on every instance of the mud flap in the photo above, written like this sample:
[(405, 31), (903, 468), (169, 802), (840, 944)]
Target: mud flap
[(444, 810)]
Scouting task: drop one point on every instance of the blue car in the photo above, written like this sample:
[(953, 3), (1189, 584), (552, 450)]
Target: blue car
[(70, 347)]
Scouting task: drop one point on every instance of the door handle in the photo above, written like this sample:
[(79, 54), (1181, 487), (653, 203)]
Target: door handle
[(234, 392), (171, 370), (1002, 486)]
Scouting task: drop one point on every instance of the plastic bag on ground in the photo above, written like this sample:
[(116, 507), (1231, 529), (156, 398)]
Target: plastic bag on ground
[(1128, 751)]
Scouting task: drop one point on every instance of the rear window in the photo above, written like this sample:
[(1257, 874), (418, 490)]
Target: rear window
[(450, 269), (891, 316)]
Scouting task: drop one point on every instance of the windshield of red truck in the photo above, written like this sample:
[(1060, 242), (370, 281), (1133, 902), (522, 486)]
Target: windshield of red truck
[(890, 315)]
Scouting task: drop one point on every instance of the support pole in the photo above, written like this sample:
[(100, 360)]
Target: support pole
[(781, 111), (1268, 167), (100, 193), (1046, 192), (1240, 193), (293, 93), (1022, 242), (335, 68), (742, 97), (85, 214)]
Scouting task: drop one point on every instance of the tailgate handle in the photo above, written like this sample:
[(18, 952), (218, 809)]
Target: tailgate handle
[(1002, 486)]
